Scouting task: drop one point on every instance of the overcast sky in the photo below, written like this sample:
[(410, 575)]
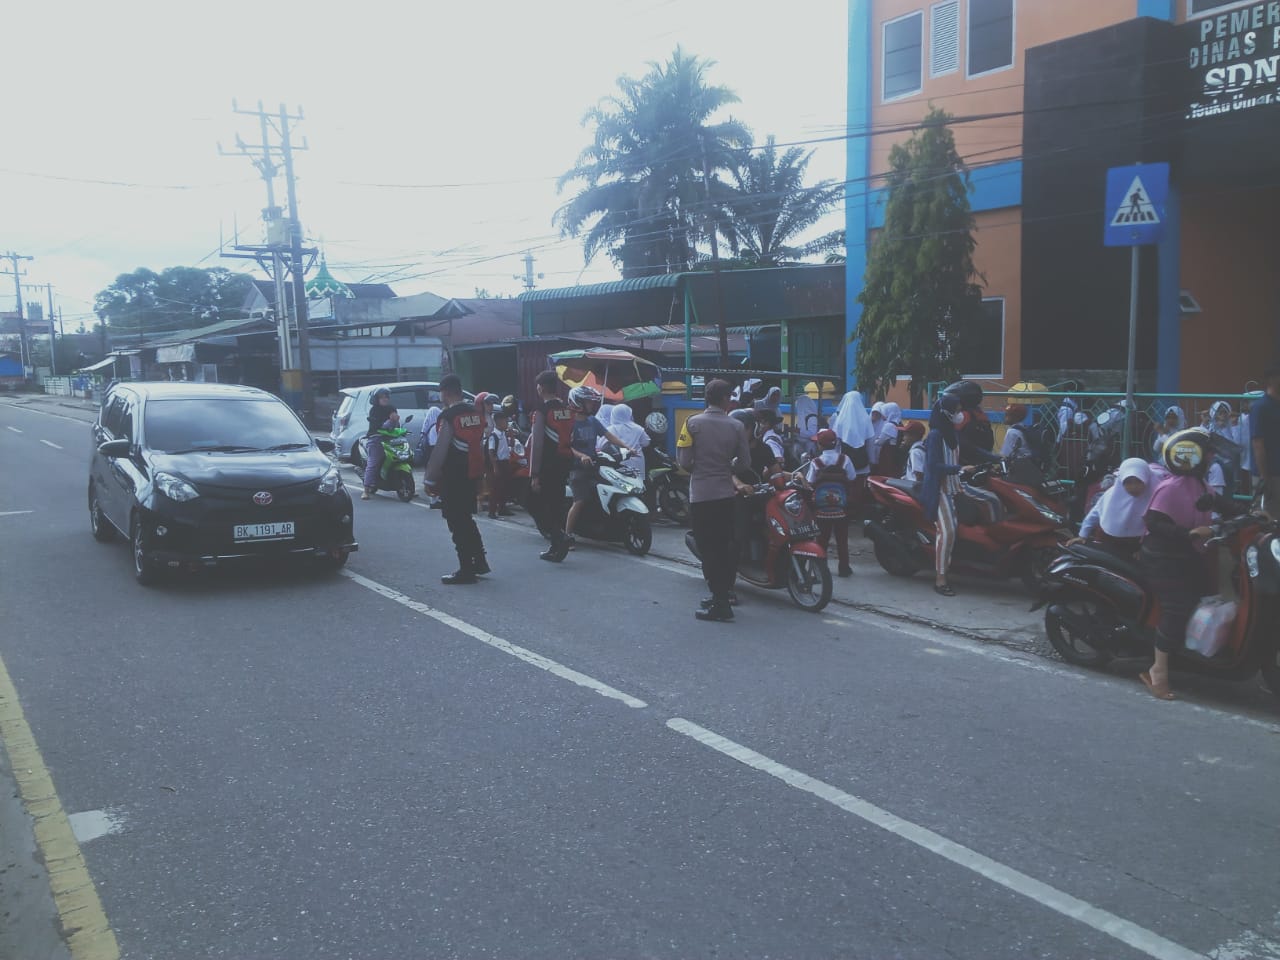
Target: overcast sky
[(436, 130)]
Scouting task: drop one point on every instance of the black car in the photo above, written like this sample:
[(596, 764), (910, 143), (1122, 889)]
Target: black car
[(197, 474)]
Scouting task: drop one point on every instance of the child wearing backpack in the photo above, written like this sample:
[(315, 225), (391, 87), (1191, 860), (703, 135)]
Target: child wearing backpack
[(830, 474)]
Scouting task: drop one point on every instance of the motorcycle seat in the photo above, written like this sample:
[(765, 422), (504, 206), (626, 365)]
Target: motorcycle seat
[(1107, 559), (906, 486)]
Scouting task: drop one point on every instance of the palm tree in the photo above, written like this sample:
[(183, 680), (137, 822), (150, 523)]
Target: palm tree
[(643, 200), (771, 207)]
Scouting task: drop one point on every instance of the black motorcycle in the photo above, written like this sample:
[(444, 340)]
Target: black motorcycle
[(666, 488)]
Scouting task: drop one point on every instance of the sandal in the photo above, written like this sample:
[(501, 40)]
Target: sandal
[(1159, 692), (944, 589)]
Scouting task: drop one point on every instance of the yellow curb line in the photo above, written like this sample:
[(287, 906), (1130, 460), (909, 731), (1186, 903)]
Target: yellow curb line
[(84, 925)]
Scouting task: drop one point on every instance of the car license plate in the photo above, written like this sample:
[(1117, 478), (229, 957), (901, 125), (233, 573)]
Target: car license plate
[(264, 531)]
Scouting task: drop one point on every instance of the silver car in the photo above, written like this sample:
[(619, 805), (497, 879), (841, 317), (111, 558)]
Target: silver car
[(350, 423)]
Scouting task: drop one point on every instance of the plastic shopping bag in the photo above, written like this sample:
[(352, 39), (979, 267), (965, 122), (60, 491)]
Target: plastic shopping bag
[(1210, 626)]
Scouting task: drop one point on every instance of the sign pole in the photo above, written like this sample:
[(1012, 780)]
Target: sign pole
[(1131, 375)]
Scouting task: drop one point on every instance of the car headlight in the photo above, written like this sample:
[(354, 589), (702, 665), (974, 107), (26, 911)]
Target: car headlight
[(331, 482), (175, 488)]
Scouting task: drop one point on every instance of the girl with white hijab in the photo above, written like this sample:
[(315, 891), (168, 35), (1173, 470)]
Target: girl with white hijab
[(853, 426), (887, 439), (633, 436), (1117, 520), (805, 409), (1174, 420)]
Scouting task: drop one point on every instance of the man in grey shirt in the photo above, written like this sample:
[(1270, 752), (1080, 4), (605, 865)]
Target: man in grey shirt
[(707, 447)]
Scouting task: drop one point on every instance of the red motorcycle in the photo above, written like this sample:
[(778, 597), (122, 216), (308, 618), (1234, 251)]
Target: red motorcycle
[(777, 545), (1023, 538), (1098, 606)]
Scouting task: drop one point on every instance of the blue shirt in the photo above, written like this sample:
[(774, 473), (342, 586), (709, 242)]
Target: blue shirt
[(585, 434), (1264, 425)]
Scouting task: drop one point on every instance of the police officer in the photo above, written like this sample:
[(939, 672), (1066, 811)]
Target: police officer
[(707, 447), (550, 457), (457, 462)]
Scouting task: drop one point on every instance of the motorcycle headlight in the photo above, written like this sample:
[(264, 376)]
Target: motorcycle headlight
[(331, 482), (1251, 562), (175, 488), (793, 505), (1275, 548)]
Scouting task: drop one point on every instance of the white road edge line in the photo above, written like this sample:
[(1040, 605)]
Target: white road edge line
[(511, 649), (14, 513), (1127, 932), (50, 443), (14, 429)]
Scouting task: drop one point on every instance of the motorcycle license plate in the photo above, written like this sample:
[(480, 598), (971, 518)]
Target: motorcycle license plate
[(247, 532), (805, 530)]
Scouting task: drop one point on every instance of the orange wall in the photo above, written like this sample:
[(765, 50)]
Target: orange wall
[(1229, 266), (1035, 22)]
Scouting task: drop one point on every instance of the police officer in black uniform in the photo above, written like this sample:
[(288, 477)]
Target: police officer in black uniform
[(457, 462)]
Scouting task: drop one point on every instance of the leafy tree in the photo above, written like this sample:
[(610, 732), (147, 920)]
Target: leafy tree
[(643, 200), (771, 207), (919, 298), (145, 303)]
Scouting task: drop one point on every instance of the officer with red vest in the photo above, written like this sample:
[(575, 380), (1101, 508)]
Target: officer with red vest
[(457, 462), (550, 458)]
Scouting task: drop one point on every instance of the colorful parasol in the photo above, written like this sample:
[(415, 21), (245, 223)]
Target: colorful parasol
[(619, 375)]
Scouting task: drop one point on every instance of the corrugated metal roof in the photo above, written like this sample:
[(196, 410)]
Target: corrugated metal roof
[(601, 289)]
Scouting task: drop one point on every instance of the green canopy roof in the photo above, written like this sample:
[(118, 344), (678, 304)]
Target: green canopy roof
[(324, 284)]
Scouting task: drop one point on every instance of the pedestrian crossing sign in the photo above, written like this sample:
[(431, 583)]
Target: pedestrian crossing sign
[(1136, 200)]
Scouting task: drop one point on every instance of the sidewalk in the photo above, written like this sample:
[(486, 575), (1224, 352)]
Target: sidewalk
[(992, 612), (85, 410)]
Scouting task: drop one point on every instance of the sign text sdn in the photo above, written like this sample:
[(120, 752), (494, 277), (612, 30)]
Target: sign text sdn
[(1222, 49)]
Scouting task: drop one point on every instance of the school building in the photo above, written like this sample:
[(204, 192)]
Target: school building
[(1047, 95)]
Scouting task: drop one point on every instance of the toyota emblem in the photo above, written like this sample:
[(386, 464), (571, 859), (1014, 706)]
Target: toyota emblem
[(262, 498)]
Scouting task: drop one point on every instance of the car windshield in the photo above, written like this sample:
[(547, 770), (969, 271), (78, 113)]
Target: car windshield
[(229, 426)]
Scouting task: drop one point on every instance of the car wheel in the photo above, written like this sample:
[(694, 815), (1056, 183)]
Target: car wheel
[(333, 562), (144, 570), (101, 527)]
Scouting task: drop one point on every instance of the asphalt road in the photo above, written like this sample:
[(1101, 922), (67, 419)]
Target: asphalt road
[(561, 762)]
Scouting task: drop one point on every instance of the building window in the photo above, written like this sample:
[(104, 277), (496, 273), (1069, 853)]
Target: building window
[(903, 55), (990, 36), (944, 38), (981, 352), (1197, 7)]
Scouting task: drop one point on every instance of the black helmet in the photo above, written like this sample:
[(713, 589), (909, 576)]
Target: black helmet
[(745, 417), (380, 392), (968, 392)]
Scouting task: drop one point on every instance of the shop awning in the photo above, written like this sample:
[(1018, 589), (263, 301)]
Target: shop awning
[(100, 365)]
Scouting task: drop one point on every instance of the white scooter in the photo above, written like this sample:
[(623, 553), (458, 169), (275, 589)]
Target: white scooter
[(617, 514)]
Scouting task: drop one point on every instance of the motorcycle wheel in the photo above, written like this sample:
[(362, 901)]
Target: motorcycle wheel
[(404, 487), (801, 583), (1036, 569), (639, 536), (675, 505), (1271, 671), (1073, 646), (893, 562)]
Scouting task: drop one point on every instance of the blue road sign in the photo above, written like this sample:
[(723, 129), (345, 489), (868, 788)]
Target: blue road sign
[(1136, 199)]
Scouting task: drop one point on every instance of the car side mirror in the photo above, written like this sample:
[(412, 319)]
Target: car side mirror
[(113, 449), (326, 445)]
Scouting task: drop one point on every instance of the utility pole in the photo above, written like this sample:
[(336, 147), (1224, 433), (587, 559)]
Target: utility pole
[(24, 349), (715, 257), (53, 335), (527, 278), (282, 233), (295, 250)]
